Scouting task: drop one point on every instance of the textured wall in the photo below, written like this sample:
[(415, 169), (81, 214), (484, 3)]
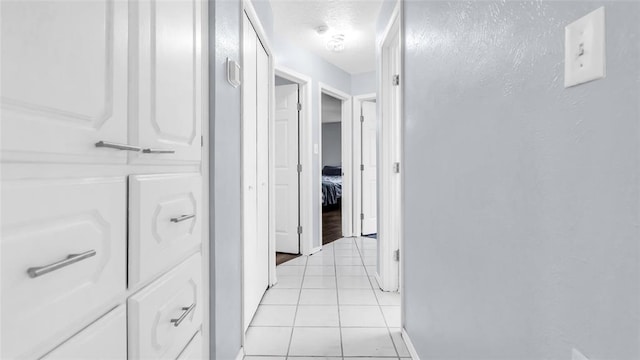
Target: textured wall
[(224, 112), (332, 144), (521, 196)]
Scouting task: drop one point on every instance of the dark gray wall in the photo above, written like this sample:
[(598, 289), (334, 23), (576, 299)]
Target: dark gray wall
[(521, 196), (224, 168), (332, 144)]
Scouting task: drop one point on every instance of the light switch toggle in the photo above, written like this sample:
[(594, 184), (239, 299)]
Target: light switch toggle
[(585, 49)]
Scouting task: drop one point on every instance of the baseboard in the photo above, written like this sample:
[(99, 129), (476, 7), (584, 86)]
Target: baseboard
[(240, 355), (379, 280), (410, 347)]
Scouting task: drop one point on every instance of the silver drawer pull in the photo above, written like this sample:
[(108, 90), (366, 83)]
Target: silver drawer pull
[(182, 218), (111, 145), (158, 151), (34, 272), (187, 311)]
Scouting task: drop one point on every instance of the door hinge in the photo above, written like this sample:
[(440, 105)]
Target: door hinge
[(361, 216), (361, 167), (396, 167), (396, 80), (299, 107), (361, 118), (396, 255), (299, 168), (201, 141), (299, 230)]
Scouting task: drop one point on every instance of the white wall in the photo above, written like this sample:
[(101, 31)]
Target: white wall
[(362, 84), (521, 196)]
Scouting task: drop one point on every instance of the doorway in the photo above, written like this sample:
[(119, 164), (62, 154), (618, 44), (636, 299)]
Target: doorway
[(332, 190), (287, 168), (336, 161)]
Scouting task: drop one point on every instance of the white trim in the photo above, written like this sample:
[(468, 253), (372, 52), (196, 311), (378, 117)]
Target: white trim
[(389, 151), (206, 226), (347, 121), (306, 158), (240, 354), (357, 156), (409, 343)]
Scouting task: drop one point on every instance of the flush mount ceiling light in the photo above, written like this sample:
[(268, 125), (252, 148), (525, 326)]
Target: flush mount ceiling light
[(336, 43)]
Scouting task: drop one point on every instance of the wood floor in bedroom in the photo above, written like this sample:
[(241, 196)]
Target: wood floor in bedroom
[(331, 224)]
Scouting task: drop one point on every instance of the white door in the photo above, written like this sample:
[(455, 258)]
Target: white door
[(64, 80), (167, 120), (286, 169), (255, 97), (369, 172)]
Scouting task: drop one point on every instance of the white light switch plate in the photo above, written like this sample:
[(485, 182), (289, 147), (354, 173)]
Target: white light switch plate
[(584, 44), (577, 355)]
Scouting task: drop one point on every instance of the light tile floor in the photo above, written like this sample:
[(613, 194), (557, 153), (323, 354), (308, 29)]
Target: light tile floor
[(328, 306)]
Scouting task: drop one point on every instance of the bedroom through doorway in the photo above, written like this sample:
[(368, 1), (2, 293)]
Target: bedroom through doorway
[(332, 174)]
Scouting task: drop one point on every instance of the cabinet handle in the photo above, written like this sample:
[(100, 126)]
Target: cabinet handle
[(34, 272), (111, 145), (182, 218), (187, 311), (158, 151)]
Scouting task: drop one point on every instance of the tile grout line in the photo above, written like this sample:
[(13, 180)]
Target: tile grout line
[(295, 315), (335, 274), (380, 308)]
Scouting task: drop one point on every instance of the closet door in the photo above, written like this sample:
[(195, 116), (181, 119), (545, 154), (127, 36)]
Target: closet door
[(168, 110), (64, 80), (255, 107)]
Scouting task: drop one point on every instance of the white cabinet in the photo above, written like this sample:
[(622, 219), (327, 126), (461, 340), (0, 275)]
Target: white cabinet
[(164, 316), (165, 221), (64, 80), (94, 97), (193, 351), (104, 339), (167, 120), (63, 257)]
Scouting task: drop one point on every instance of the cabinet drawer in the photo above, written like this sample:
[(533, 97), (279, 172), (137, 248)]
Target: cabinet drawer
[(104, 339), (193, 351), (63, 257), (164, 316), (164, 222)]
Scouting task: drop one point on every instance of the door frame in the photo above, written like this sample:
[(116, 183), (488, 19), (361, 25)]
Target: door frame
[(247, 7), (306, 157), (390, 217), (357, 154), (347, 159)]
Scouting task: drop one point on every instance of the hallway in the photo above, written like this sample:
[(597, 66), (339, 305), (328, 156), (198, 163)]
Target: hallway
[(327, 305)]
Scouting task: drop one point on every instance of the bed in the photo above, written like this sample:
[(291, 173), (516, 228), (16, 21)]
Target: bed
[(331, 185)]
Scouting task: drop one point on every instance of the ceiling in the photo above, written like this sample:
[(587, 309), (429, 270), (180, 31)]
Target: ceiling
[(297, 21)]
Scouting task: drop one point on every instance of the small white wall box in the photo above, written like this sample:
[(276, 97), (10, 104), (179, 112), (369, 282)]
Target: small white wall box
[(585, 49), (233, 73)]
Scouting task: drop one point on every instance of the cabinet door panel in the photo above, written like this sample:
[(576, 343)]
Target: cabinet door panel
[(153, 312), (44, 222), (64, 80), (169, 112), (104, 339), (193, 351)]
